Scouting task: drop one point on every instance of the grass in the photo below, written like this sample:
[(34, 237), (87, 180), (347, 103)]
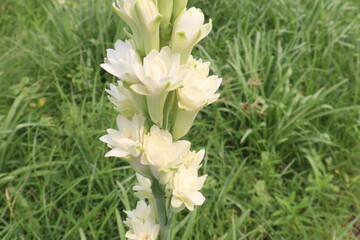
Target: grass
[(282, 143)]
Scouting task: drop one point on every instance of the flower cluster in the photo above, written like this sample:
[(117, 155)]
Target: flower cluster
[(155, 155), (160, 90), (142, 223)]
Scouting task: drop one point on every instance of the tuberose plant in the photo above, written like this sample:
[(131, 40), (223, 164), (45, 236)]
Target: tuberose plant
[(161, 89)]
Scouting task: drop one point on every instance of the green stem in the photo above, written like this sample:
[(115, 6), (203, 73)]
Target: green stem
[(165, 232), (165, 224)]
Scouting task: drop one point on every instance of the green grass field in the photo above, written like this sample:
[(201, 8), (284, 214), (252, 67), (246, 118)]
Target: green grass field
[(282, 143)]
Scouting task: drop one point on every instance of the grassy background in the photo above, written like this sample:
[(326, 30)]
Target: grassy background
[(282, 143)]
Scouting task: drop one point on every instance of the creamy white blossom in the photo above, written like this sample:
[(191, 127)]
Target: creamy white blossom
[(162, 154), (185, 187), (143, 188), (193, 159), (189, 29), (122, 99), (161, 71), (119, 61), (159, 74), (142, 223), (199, 65), (198, 91), (126, 142), (144, 20)]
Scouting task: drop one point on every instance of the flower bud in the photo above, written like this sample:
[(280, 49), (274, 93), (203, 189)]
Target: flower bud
[(179, 6), (165, 8), (144, 20), (189, 29)]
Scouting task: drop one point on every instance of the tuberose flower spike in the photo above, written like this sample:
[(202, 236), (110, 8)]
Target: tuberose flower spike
[(161, 89)]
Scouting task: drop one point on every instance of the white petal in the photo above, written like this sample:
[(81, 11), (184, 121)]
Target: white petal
[(110, 69), (107, 139), (197, 198), (122, 122), (140, 89), (116, 153), (175, 202)]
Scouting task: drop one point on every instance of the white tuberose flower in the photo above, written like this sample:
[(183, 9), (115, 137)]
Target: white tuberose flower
[(160, 73), (142, 223), (126, 141), (162, 154), (186, 185), (198, 91), (119, 61), (193, 159), (189, 29), (123, 102), (143, 188)]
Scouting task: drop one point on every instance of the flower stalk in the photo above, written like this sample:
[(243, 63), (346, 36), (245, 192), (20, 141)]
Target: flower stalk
[(162, 210)]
